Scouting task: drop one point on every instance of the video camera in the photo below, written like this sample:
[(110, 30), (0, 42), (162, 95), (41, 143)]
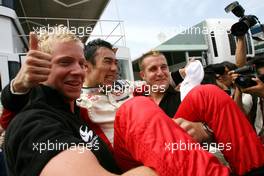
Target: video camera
[(248, 72), (245, 22)]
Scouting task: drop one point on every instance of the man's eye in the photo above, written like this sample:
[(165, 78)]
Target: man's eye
[(81, 64), (164, 67), (152, 69), (65, 63), (107, 61)]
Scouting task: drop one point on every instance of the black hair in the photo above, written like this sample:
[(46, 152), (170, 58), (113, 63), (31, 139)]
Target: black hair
[(218, 68), (91, 48), (209, 75), (229, 65)]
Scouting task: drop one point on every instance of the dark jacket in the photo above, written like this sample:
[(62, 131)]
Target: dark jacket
[(44, 128)]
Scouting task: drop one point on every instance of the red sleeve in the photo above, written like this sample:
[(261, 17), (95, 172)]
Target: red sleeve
[(145, 135), (208, 103), (6, 118)]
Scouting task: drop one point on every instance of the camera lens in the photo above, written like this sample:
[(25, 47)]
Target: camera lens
[(245, 81)]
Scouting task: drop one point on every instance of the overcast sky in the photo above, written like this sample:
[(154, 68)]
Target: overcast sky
[(147, 23)]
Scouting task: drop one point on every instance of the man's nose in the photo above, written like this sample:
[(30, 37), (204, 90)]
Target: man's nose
[(114, 67), (159, 71), (78, 69)]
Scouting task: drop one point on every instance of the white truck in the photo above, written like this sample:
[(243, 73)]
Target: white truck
[(12, 46), (210, 41), (221, 43)]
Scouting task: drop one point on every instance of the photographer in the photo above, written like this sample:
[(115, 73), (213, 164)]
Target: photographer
[(224, 80), (245, 101), (248, 78), (246, 82), (259, 88)]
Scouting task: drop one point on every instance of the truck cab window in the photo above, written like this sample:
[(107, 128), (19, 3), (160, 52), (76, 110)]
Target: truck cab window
[(13, 68)]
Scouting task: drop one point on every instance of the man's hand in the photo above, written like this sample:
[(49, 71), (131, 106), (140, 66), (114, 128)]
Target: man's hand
[(233, 75), (35, 69), (182, 72), (257, 89), (194, 129)]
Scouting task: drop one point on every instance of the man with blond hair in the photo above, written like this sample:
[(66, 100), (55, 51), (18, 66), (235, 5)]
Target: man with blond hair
[(49, 136)]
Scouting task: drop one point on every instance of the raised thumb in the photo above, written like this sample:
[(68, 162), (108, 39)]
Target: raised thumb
[(33, 41)]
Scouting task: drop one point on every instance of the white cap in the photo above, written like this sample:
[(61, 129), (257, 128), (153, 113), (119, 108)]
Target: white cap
[(194, 76)]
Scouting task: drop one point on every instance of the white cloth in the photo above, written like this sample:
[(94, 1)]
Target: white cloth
[(194, 76), (247, 102), (102, 107), (259, 119)]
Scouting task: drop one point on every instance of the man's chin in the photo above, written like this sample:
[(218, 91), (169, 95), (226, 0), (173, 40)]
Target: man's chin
[(163, 84), (159, 87), (108, 83)]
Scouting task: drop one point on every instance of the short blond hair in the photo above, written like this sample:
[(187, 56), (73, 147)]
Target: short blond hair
[(150, 53), (47, 37)]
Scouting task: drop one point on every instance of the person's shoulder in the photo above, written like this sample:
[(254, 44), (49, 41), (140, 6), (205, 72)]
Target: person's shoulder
[(27, 132), (30, 118)]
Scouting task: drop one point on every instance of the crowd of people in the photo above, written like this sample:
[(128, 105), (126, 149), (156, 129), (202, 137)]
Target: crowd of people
[(59, 110), (249, 97)]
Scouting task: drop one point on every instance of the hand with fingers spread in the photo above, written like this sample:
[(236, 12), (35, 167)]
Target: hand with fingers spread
[(233, 75), (194, 129), (34, 70)]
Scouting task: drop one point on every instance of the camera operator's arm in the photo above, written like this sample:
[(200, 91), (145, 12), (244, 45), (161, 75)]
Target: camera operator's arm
[(241, 55), (240, 62), (256, 90), (238, 97)]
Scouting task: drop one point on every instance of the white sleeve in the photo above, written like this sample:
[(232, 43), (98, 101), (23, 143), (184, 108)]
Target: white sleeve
[(247, 102)]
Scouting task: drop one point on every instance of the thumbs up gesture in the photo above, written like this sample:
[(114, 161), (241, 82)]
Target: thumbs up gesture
[(34, 70)]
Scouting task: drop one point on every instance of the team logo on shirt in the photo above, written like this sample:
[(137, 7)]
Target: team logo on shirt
[(87, 135)]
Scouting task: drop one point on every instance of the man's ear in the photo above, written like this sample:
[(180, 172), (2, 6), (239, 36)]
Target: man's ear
[(115, 50), (142, 75)]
